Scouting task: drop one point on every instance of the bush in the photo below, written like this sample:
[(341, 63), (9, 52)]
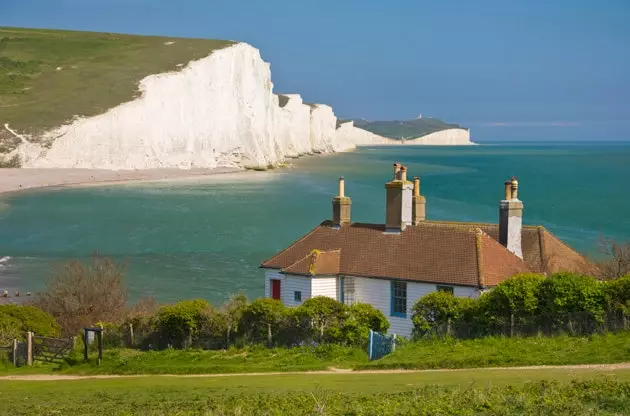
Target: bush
[(618, 298), (437, 310), (361, 318), (326, 317), (567, 299), (263, 318), (79, 295), (514, 302), (180, 322), (16, 320)]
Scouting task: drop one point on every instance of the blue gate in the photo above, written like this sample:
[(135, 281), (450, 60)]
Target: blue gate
[(380, 345)]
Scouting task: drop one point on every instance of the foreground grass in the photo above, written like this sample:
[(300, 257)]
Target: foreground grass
[(505, 352), (488, 391), (49, 76), (487, 352), (250, 360)]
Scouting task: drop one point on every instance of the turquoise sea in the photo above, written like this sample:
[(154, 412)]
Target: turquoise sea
[(207, 238)]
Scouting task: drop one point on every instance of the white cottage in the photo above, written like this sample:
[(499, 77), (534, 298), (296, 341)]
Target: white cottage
[(392, 265)]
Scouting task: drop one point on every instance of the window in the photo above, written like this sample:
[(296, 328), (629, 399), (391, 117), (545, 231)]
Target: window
[(399, 299), (297, 296), (447, 289)]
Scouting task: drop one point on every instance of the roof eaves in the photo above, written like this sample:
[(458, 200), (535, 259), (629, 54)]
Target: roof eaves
[(367, 276)]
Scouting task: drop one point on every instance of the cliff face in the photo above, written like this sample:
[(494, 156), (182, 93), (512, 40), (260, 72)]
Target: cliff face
[(452, 137), (217, 111)]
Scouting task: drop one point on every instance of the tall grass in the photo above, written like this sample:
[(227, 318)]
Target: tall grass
[(503, 351)]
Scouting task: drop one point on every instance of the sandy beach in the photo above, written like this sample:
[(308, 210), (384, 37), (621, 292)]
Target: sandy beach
[(14, 180)]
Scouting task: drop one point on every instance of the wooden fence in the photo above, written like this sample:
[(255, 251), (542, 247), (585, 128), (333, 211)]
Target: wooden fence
[(43, 349)]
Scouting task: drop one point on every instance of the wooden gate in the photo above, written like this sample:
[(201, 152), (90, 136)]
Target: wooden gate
[(51, 350)]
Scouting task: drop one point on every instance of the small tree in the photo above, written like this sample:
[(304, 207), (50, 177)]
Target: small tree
[(435, 310), (361, 318), (515, 300), (181, 321), (233, 311), (618, 298), (263, 316), (616, 261), (323, 313), (565, 296), (80, 295)]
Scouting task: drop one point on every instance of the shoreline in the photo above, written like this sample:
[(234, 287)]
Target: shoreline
[(18, 180)]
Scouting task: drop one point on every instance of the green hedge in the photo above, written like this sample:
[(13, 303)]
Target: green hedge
[(528, 304)]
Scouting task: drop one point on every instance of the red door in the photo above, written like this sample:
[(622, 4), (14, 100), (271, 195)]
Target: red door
[(275, 289)]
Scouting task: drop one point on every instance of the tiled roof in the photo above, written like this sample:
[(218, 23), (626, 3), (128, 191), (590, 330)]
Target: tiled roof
[(316, 263), (450, 253)]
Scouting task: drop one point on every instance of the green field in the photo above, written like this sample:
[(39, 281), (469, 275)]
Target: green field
[(49, 76), (448, 392), (517, 351)]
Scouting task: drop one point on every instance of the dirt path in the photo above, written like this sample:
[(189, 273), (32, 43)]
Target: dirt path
[(52, 377)]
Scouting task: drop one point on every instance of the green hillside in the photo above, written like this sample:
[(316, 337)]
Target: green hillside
[(49, 76), (409, 129)]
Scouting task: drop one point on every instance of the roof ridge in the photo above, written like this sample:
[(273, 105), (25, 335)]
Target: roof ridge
[(479, 256)]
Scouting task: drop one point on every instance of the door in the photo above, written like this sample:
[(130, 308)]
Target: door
[(275, 289)]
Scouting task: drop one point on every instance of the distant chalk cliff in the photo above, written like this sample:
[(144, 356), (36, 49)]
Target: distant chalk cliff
[(216, 111)]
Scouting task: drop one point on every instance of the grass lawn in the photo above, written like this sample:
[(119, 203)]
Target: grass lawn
[(48, 76), (546, 391), (503, 352)]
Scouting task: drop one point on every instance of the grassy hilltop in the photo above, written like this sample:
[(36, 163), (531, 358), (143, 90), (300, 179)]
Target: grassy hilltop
[(407, 129), (49, 76)]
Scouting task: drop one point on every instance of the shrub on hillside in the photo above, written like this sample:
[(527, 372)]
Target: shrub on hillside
[(618, 298), (180, 322), (80, 295), (325, 316), (514, 303), (16, 320), (572, 302), (360, 319), (437, 312), (263, 319)]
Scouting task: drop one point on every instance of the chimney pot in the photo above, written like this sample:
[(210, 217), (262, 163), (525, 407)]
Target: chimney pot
[(508, 191), (403, 173), (514, 186), (416, 186), (342, 187), (396, 170)]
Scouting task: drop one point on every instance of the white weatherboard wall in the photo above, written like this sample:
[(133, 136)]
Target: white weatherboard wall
[(325, 286), (377, 292)]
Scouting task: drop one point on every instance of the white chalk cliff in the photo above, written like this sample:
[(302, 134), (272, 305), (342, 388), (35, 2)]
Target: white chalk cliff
[(216, 111)]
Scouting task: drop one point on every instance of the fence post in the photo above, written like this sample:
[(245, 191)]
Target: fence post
[(14, 352), (85, 344), (371, 344), (131, 337), (393, 342), (511, 324), (29, 348), (99, 335)]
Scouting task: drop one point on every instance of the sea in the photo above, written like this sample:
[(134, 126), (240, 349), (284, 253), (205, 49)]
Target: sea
[(206, 238)]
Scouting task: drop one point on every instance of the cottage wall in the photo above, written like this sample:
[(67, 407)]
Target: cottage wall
[(377, 292), (325, 286)]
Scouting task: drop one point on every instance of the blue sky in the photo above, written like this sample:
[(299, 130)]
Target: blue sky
[(513, 70)]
